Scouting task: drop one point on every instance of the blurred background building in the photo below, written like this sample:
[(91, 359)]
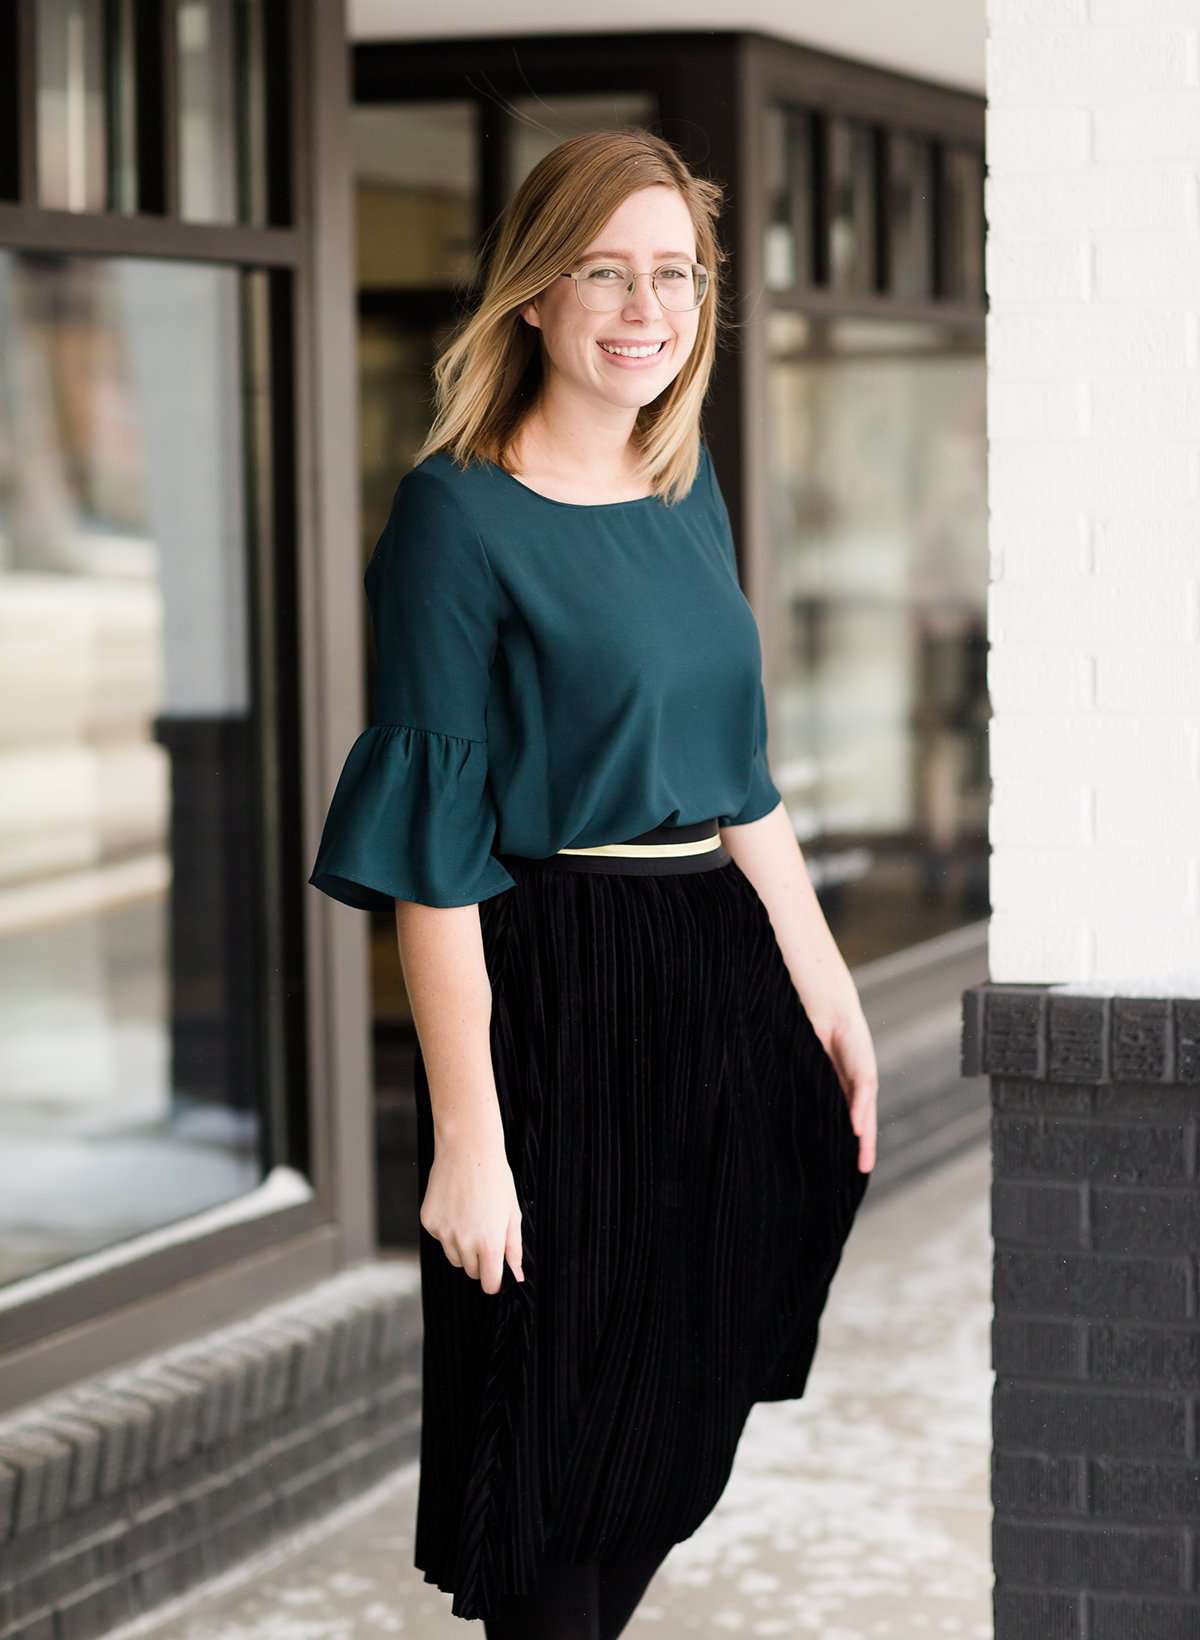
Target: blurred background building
[(234, 235)]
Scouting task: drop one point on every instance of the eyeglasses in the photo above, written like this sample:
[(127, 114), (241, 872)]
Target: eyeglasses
[(604, 286)]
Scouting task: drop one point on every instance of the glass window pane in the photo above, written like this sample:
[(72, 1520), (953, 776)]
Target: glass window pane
[(250, 47), (852, 205), (206, 127), (417, 194), (790, 163), (910, 215), (962, 224), (876, 620), (779, 251), (136, 1009), (553, 119), (72, 118)]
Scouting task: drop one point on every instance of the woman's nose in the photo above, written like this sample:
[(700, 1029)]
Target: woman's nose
[(642, 300)]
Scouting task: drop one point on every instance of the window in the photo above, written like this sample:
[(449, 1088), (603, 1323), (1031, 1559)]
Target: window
[(137, 1057), (877, 470)]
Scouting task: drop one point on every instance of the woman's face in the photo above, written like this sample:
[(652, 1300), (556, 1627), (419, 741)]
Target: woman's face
[(648, 228)]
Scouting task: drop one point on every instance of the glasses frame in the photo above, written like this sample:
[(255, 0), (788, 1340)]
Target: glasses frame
[(634, 277)]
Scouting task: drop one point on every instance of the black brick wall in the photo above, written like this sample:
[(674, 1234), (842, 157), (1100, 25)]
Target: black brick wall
[(125, 1491), (1096, 1332)]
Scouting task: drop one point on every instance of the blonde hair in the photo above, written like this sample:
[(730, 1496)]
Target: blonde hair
[(489, 376)]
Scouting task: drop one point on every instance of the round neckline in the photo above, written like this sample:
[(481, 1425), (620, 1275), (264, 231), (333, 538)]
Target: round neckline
[(574, 506)]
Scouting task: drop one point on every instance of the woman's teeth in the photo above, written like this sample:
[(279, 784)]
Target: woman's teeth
[(633, 352)]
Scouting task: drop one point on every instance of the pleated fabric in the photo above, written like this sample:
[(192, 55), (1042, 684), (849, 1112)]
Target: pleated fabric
[(687, 1175)]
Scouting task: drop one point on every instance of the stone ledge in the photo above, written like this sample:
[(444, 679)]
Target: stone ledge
[(124, 1491), (1035, 1034)]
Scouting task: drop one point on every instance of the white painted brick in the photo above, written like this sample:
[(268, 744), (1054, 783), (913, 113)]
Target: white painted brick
[(1120, 815), (1141, 679), (1109, 202), (1161, 407), (1093, 344), (1030, 409), (1167, 547), (1133, 13), (1059, 819), (1163, 127), (1034, 549), (1090, 610), (1032, 950), (1161, 270), (1094, 66), (1104, 474), (1088, 341), (1028, 678), (1144, 882), (1037, 140), (1094, 749), (1037, 271), (1130, 947)]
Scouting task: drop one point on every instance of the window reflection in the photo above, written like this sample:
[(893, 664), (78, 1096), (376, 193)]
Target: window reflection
[(962, 216), (853, 193), (791, 198), (130, 1063), (416, 194), (910, 215), (543, 122), (204, 84), (72, 114), (876, 620)]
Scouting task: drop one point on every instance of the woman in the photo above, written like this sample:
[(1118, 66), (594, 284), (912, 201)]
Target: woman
[(645, 1087)]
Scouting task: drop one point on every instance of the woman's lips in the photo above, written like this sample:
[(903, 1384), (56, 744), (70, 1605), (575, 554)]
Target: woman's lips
[(633, 364)]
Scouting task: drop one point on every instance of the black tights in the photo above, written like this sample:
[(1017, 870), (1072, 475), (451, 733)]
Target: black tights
[(592, 1602)]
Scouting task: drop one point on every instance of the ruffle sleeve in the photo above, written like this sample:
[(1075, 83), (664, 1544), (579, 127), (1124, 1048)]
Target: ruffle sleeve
[(409, 820), (413, 815)]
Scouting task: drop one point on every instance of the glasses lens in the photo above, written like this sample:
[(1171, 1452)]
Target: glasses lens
[(677, 285), (604, 286)]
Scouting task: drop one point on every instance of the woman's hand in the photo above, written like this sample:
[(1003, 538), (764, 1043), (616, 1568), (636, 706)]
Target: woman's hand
[(471, 1207), (848, 1043)]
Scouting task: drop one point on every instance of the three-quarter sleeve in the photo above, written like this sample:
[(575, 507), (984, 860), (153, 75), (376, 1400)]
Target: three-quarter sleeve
[(763, 795), (412, 816)]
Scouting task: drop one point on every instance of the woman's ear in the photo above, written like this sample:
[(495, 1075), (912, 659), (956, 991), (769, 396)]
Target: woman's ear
[(530, 314)]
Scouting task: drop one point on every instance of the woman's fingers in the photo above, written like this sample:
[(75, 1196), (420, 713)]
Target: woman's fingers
[(512, 1247)]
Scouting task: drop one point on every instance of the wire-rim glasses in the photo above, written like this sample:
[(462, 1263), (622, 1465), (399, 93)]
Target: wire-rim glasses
[(604, 286)]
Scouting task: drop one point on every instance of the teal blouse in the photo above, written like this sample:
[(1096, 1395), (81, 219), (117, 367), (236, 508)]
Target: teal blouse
[(547, 675)]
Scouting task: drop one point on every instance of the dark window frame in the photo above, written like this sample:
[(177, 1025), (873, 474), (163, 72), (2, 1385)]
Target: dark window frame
[(97, 1311)]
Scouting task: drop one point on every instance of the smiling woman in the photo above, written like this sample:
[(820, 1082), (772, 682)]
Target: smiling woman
[(637, 1162)]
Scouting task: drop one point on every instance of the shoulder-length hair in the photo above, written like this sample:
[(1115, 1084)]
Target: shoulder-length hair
[(489, 376)]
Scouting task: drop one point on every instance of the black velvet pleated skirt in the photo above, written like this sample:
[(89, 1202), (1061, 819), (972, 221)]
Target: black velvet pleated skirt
[(687, 1176)]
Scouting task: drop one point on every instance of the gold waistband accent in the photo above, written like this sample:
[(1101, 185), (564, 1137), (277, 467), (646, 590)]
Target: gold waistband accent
[(699, 846)]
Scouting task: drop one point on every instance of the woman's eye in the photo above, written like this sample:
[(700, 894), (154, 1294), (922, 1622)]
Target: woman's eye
[(676, 273), (597, 273)]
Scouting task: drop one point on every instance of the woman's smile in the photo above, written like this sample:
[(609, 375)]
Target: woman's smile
[(636, 359)]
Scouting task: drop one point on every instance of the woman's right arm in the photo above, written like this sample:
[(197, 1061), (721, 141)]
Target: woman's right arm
[(410, 827), (470, 1204)]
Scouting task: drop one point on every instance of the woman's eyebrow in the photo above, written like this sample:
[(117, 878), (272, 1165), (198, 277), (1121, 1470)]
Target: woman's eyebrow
[(628, 255)]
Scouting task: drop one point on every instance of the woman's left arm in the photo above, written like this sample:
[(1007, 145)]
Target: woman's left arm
[(766, 850)]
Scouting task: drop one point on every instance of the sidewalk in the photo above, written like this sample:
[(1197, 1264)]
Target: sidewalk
[(859, 1512)]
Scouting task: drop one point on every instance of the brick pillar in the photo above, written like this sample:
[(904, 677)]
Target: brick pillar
[(1093, 274), (1096, 1338)]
